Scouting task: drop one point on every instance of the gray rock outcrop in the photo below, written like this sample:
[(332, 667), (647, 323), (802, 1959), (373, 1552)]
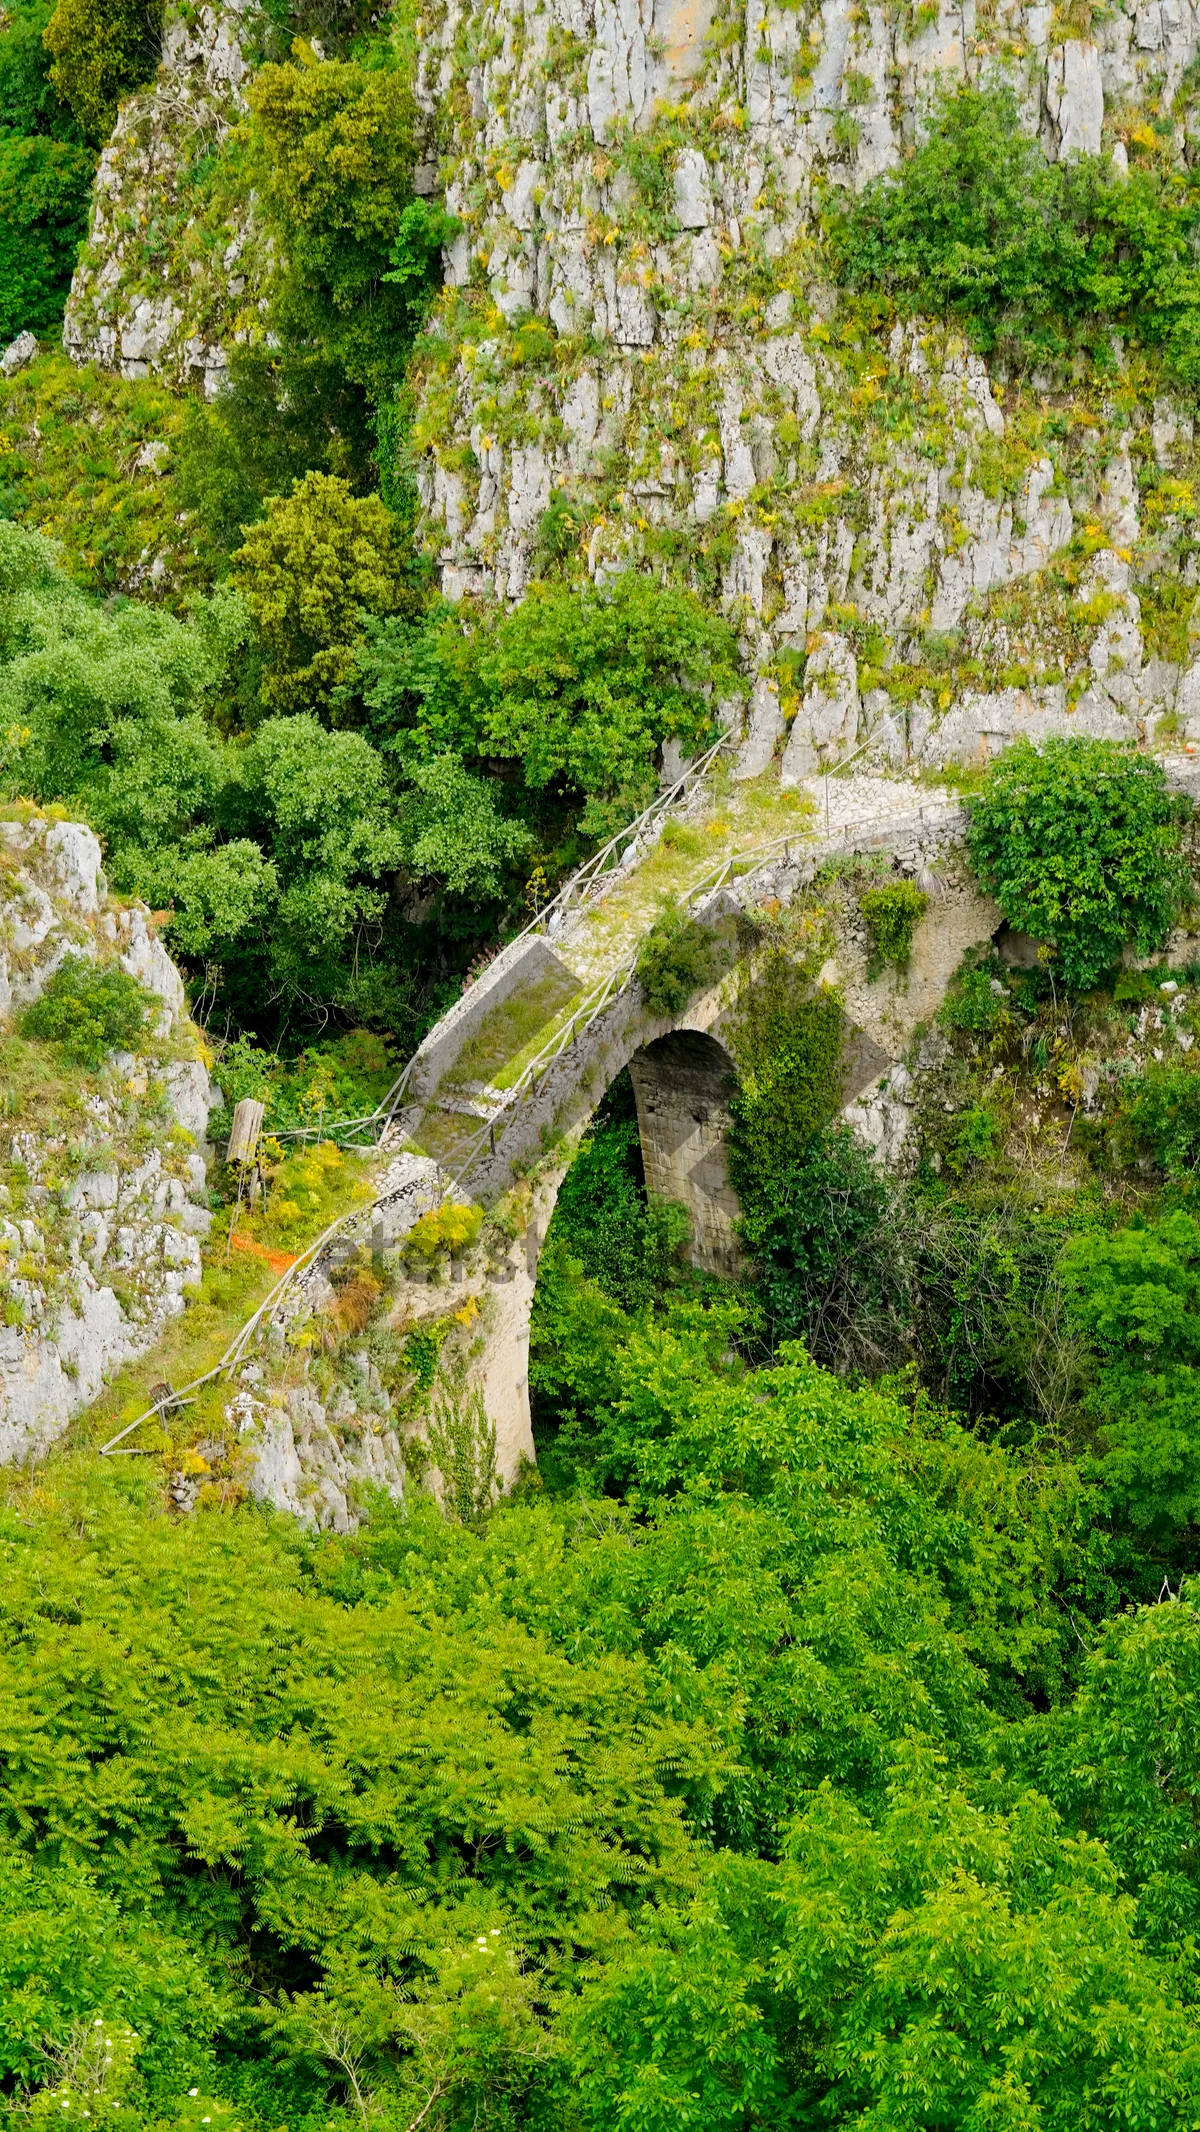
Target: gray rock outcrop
[(102, 1176)]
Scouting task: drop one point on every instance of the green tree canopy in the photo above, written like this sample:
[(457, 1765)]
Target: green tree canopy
[(102, 49), (315, 560), (334, 153), (1078, 842)]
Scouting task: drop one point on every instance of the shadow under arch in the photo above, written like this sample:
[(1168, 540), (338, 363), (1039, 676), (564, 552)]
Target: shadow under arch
[(683, 1083)]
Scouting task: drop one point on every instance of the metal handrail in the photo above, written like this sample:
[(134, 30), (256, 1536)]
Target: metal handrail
[(584, 1018), (573, 895)]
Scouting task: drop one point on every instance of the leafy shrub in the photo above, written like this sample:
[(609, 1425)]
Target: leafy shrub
[(815, 1209), (44, 189), (893, 914), (454, 831), (585, 685), (1079, 846), (1162, 1112), (1136, 1293), (89, 1011), (978, 1001), (102, 49), (1137, 1289), (280, 852), (342, 1077), (316, 559), (580, 686), (462, 1444), (451, 1227), (334, 153), (1028, 254), (561, 527), (674, 961), (831, 1266), (991, 1325), (976, 1134)]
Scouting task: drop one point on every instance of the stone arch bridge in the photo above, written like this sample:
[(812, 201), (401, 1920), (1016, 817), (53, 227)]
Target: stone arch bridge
[(495, 1100)]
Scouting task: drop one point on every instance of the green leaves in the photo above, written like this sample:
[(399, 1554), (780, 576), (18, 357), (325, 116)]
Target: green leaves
[(1136, 1293), (305, 570), (892, 913), (334, 150), (90, 1011), (68, 1954), (1137, 1290), (579, 685), (45, 186), (1031, 256), (1079, 846), (101, 52), (676, 959), (584, 686), (969, 1968)]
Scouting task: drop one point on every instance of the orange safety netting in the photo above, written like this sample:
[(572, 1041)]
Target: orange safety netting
[(278, 1261)]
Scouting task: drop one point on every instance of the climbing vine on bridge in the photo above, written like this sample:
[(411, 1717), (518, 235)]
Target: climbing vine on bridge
[(814, 1206)]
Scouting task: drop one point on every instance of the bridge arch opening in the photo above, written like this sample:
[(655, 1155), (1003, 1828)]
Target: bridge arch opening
[(648, 1186), (656, 1140), (683, 1083)]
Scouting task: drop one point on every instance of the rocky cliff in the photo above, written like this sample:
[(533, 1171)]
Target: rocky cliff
[(172, 274), (636, 358), (102, 1176), (635, 333)]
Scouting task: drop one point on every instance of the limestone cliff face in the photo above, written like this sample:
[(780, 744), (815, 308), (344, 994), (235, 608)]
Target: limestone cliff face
[(172, 271), (102, 1177), (635, 359), (635, 336)]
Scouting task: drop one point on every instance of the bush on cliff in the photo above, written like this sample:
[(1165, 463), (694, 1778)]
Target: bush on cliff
[(102, 50), (90, 1011), (1032, 257), (333, 157), (1079, 845)]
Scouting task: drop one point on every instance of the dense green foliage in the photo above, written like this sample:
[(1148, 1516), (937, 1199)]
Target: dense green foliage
[(102, 49), (1162, 1118), (89, 1010), (45, 178), (317, 559), (359, 259), (581, 686), (567, 1818), (676, 958), (602, 1218), (800, 1746), (287, 851), (334, 149), (44, 187), (1033, 257), (1077, 843), (286, 412), (893, 913)]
